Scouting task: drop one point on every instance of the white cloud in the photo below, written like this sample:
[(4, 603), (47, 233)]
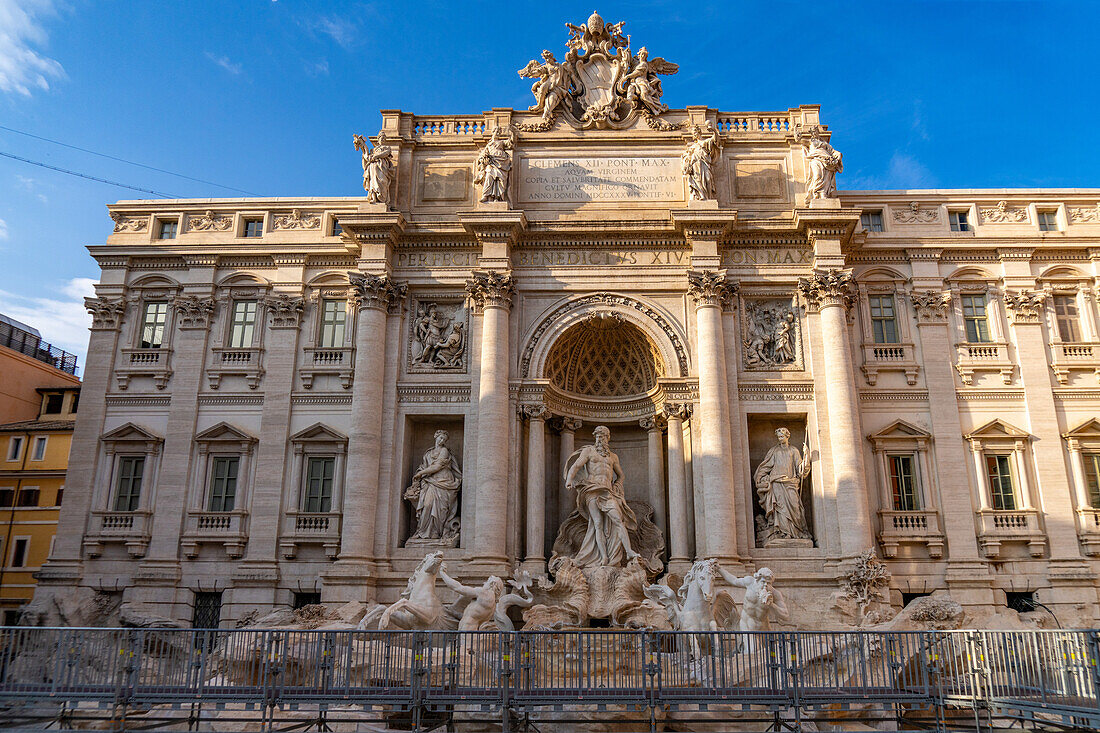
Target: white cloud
[(3, 230), (62, 319), (338, 29), (319, 68), (22, 66), (225, 63)]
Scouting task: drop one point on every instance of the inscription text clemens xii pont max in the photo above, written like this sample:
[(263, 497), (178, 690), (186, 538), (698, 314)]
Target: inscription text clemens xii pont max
[(577, 180)]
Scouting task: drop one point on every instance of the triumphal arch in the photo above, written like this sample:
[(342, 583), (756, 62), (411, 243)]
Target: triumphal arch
[(596, 337)]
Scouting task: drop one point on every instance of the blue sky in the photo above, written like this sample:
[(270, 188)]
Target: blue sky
[(264, 96)]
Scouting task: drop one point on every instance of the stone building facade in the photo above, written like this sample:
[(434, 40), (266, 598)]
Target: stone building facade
[(266, 378)]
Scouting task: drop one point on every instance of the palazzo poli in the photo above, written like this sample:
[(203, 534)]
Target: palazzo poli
[(295, 400)]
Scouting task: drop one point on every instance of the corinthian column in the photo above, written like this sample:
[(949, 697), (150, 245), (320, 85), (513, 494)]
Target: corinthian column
[(656, 460), (567, 500), (711, 292), (372, 296), (490, 293), (536, 415), (677, 484), (830, 292)]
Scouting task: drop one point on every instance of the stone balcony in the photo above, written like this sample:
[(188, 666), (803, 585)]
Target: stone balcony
[(1088, 530), (247, 363), (131, 529), (919, 527), (889, 358), (986, 357), (155, 363), (228, 529), (996, 527), (1071, 357), (336, 361), (310, 528)]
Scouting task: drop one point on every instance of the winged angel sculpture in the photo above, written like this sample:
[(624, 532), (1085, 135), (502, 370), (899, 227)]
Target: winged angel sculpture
[(601, 82)]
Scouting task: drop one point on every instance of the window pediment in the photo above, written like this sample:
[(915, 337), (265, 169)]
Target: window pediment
[(1088, 429), (998, 432), (319, 436), (900, 434), (131, 433), (224, 433)]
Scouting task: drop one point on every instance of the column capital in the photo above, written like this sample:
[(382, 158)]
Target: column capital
[(376, 292), (570, 424), (832, 287), (930, 305), (490, 289), (285, 311), (534, 411), (677, 410), (194, 313), (710, 288), (106, 313), (1024, 306), (652, 424)]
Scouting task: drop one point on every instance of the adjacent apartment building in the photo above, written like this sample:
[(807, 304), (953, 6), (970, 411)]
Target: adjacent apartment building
[(39, 393)]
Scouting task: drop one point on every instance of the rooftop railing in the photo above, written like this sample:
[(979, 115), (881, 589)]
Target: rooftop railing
[(33, 346)]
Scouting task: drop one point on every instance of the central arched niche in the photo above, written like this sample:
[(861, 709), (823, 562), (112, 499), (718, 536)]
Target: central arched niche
[(604, 356)]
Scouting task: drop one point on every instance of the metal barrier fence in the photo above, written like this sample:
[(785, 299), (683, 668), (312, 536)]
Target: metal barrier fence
[(639, 679)]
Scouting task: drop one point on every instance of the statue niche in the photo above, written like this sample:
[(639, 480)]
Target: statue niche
[(434, 496), (781, 486)]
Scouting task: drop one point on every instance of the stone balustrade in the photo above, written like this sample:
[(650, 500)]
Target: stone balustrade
[(310, 528), (225, 528), (921, 527), (997, 526), (131, 529)]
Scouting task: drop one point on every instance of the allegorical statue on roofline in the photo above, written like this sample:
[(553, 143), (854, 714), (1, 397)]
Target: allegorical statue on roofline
[(600, 83)]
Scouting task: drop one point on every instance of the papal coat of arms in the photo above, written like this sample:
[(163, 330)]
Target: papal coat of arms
[(601, 82)]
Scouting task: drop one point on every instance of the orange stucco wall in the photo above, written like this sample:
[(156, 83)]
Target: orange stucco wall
[(20, 376)]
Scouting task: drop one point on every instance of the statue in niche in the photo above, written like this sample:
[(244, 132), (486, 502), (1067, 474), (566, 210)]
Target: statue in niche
[(377, 169), (697, 161), (440, 339), (595, 474), (779, 479), (494, 165), (434, 491), (823, 162), (772, 333)]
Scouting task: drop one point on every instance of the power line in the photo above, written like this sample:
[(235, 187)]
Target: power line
[(90, 178), (123, 160)]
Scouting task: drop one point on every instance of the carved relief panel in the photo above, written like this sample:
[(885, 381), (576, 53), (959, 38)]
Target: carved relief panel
[(771, 338), (438, 335)]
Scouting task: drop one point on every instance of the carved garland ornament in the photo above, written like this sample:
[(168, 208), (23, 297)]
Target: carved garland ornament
[(490, 289), (1085, 215), (106, 313), (677, 410), (602, 299), (1025, 306), (284, 310), (128, 224), (209, 222), (194, 313), (297, 220), (930, 305), (916, 215), (1003, 214), (824, 289), (375, 291)]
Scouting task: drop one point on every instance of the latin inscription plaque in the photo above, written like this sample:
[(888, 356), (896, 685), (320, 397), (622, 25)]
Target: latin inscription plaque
[(581, 180)]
